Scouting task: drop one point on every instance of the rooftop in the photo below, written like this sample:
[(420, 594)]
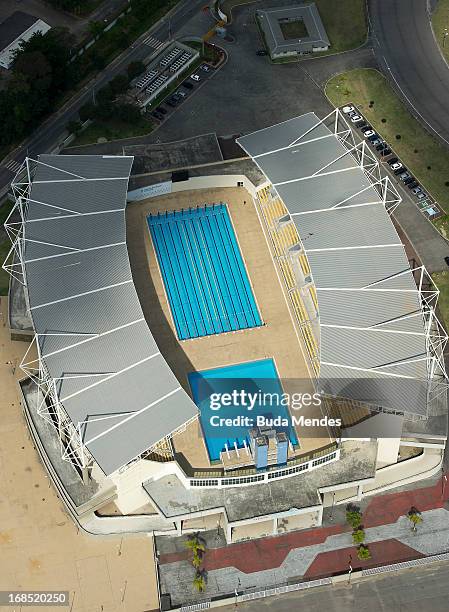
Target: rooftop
[(13, 26), (93, 340), (372, 327), (357, 462)]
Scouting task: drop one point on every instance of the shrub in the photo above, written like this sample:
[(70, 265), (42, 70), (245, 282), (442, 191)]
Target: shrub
[(358, 535), (353, 516), (363, 552)]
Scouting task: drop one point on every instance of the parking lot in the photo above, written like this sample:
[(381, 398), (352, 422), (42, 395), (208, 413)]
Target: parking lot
[(247, 93), (401, 176)]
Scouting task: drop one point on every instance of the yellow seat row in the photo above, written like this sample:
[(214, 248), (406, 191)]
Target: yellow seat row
[(287, 272)]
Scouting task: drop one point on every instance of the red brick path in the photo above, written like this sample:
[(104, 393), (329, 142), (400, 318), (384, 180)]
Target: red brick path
[(269, 553)]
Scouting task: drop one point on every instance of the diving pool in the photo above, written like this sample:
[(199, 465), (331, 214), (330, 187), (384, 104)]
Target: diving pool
[(251, 377), (204, 275)]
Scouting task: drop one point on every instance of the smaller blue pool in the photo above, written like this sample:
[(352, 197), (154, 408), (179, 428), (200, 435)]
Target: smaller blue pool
[(256, 378), (203, 271)]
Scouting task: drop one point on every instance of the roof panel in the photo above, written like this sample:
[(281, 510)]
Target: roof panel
[(93, 337)]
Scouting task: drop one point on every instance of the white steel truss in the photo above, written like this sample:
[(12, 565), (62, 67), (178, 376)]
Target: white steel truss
[(73, 436), (362, 157)]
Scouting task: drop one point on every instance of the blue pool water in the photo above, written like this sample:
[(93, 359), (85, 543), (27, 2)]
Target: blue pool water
[(203, 271), (252, 377)]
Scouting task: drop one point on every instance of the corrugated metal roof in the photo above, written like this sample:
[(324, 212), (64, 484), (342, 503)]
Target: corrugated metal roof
[(93, 339), (372, 336)]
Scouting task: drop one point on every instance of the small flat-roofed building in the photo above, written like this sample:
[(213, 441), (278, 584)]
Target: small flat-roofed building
[(16, 28), (293, 30)]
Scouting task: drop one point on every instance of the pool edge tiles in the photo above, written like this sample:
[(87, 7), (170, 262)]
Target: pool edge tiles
[(203, 271), (261, 374)]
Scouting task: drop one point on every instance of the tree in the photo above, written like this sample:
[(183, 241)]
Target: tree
[(363, 552), (134, 69), (414, 516), (195, 543), (358, 535), (199, 581), (96, 28), (127, 112), (87, 111), (104, 94), (74, 127), (119, 84), (353, 516)]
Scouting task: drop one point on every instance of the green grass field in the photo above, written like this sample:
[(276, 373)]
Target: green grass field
[(426, 158), (112, 130), (441, 279), (346, 26), (440, 23)]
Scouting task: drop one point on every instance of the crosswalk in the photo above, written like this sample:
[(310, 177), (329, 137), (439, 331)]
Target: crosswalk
[(13, 165), (151, 41)]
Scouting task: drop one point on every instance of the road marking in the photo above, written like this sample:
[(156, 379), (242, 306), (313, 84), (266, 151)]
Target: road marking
[(152, 42), (13, 165)]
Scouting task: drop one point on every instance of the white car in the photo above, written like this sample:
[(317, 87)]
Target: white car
[(194, 77), (396, 166), (369, 133), (356, 118), (348, 109)]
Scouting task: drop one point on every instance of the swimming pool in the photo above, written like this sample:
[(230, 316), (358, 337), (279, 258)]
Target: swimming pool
[(251, 377), (203, 271)]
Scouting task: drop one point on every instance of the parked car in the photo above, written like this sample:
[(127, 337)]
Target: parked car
[(399, 171), (162, 110), (446, 259), (181, 94), (393, 160), (416, 190), (413, 184), (381, 146), (395, 165), (365, 129), (170, 102), (421, 195), (261, 52), (404, 175), (410, 179), (195, 77), (369, 133), (187, 85), (348, 109), (386, 152), (360, 124), (355, 118), (376, 141), (205, 67), (157, 115), (374, 137)]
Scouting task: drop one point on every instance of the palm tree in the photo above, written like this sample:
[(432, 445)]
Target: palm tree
[(414, 516), (199, 582), (353, 516), (363, 552), (358, 535), (195, 543)]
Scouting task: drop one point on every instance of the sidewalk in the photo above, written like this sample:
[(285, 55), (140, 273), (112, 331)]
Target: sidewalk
[(319, 552)]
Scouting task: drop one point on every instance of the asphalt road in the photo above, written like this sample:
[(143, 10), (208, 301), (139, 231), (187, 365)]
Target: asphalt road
[(49, 134), (425, 589), (407, 52)]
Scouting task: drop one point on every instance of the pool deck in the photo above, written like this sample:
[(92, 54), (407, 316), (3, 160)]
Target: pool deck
[(277, 338)]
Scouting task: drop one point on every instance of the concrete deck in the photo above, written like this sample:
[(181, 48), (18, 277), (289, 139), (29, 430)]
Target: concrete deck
[(357, 462), (277, 338)]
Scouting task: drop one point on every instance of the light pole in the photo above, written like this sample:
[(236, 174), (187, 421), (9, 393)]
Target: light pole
[(331, 515), (443, 483), (350, 569)]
